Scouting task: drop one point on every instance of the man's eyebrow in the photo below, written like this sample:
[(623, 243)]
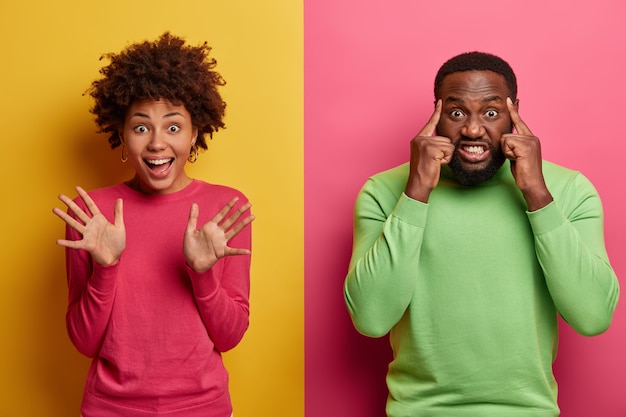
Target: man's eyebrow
[(492, 98)]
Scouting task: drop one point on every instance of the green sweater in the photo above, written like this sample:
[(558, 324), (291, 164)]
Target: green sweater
[(469, 286)]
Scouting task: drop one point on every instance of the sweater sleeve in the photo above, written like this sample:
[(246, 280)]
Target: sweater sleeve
[(381, 276), (91, 292), (569, 242), (222, 294)]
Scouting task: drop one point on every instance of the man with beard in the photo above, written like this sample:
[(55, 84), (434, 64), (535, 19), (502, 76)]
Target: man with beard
[(466, 254)]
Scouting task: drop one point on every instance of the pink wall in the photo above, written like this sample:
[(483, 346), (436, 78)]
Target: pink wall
[(369, 67)]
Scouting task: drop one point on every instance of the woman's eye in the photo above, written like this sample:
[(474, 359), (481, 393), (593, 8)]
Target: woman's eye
[(173, 128), (141, 129), (491, 113)]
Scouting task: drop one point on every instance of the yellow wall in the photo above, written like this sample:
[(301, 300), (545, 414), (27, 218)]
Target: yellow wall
[(49, 54)]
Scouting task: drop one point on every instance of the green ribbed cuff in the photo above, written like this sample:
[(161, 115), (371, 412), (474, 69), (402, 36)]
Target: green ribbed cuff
[(546, 219), (411, 211)]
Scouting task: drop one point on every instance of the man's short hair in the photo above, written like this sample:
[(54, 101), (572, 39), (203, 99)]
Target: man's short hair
[(477, 61)]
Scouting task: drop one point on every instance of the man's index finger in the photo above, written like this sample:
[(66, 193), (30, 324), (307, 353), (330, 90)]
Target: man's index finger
[(431, 125), (518, 123)]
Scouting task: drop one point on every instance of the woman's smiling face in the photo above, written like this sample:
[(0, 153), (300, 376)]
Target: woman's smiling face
[(158, 136)]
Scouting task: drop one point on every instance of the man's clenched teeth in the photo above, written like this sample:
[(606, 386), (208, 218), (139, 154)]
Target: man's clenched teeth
[(474, 149)]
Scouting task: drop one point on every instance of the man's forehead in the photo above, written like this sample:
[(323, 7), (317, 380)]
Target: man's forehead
[(489, 84), (478, 97)]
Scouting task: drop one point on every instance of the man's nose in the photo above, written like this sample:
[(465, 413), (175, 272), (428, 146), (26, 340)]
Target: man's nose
[(473, 128)]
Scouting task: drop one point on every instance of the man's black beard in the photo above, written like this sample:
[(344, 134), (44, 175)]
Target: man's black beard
[(476, 176)]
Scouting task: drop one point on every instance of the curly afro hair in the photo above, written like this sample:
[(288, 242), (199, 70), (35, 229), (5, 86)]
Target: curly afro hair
[(163, 69), (477, 61)]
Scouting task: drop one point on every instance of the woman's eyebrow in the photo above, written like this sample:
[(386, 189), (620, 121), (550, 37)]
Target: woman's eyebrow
[(146, 116), (172, 114)]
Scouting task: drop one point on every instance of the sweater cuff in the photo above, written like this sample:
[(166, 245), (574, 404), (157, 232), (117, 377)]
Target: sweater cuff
[(104, 277), (204, 284), (411, 211), (546, 219)]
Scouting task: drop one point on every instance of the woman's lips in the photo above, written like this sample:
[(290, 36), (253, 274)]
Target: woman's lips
[(159, 167)]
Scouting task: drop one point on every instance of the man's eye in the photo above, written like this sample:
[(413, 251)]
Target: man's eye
[(491, 113), (173, 128), (456, 114), (141, 129)]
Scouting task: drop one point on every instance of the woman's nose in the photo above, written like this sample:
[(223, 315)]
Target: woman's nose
[(157, 140)]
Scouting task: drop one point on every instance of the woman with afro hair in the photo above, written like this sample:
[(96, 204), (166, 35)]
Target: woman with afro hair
[(158, 267)]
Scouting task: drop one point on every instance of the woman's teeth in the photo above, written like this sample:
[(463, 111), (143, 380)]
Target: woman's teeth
[(158, 161)]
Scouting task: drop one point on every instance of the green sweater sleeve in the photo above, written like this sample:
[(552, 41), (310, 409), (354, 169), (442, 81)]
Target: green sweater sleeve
[(569, 243), (388, 232)]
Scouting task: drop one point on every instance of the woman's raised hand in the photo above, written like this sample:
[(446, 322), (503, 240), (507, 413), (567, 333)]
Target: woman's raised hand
[(103, 240), (205, 246)]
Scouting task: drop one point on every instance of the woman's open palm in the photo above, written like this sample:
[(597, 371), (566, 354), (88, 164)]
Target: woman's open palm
[(103, 240), (205, 246)]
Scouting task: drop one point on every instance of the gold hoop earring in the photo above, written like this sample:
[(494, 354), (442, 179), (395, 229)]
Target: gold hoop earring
[(124, 153), (193, 154)]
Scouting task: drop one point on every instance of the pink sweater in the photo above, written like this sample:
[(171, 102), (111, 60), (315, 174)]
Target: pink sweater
[(154, 327)]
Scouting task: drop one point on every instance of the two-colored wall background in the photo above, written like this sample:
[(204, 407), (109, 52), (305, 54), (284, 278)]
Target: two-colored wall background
[(321, 94)]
